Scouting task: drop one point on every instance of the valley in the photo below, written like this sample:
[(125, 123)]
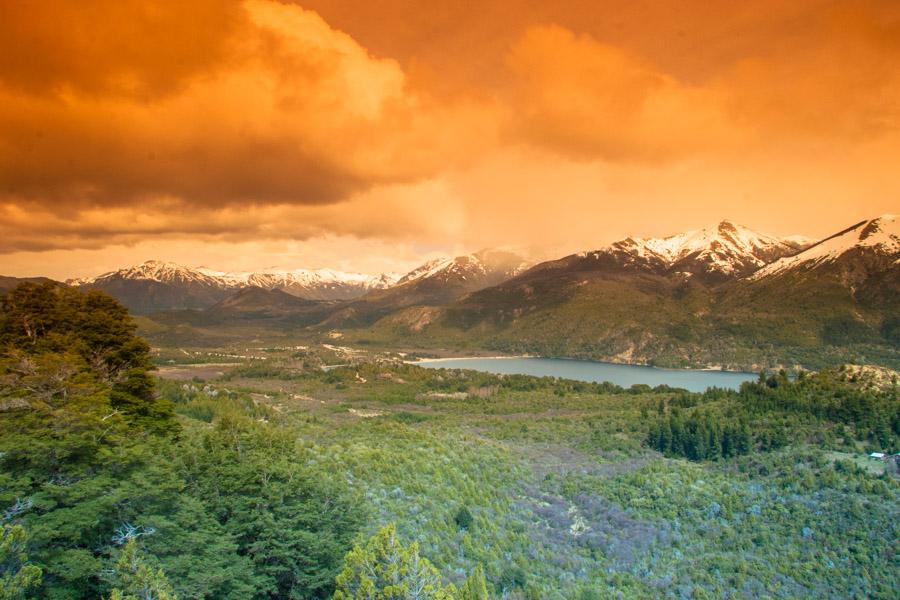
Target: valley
[(535, 478), (254, 450), (566, 498)]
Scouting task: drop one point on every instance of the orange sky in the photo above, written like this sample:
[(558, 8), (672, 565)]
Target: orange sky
[(372, 135)]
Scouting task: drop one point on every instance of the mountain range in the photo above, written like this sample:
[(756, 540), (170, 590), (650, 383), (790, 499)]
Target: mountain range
[(722, 295), (436, 283), (154, 285), (717, 253)]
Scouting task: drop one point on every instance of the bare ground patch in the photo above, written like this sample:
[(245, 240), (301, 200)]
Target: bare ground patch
[(203, 371)]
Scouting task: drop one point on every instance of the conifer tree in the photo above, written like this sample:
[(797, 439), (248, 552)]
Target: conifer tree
[(385, 569), (475, 587), (17, 577), (138, 580)]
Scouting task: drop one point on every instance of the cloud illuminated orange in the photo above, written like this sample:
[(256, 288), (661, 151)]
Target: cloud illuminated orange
[(447, 125), (290, 111)]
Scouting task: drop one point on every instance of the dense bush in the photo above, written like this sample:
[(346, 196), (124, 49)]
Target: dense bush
[(94, 465)]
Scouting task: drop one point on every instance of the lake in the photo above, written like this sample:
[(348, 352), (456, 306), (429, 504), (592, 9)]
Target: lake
[(694, 380)]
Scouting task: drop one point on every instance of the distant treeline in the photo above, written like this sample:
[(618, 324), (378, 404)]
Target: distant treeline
[(772, 412)]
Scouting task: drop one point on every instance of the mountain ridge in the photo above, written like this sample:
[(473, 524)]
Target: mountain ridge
[(434, 283), (722, 295), (716, 252), (880, 235), (169, 272), (158, 285), (170, 286), (623, 303)]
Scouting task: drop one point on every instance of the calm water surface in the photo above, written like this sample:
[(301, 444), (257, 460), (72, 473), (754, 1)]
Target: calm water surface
[(588, 370)]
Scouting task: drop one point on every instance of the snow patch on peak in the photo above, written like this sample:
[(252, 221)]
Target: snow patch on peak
[(429, 269), (724, 248), (315, 283), (880, 235), (151, 270), (487, 262)]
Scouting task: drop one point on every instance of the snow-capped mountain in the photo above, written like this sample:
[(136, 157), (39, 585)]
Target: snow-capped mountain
[(158, 271), (717, 295), (298, 279), (633, 301), (724, 250), (435, 283), (156, 285), (488, 264), (327, 284), (312, 284), (877, 238), (714, 254)]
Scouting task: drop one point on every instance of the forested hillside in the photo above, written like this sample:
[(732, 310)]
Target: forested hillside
[(93, 460)]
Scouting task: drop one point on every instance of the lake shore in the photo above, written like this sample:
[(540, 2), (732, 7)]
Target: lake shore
[(695, 380), (444, 355)]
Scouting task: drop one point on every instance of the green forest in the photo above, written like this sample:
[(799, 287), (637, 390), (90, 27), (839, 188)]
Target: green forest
[(377, 479)]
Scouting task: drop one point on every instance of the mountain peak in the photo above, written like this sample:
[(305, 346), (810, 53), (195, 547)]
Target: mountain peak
[(878, 236), (721, 250), (150, 270), (490, 262), (886, 224), (728, 225)]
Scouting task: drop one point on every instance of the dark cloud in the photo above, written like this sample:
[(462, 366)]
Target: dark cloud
[(127, 47), (254, 103)]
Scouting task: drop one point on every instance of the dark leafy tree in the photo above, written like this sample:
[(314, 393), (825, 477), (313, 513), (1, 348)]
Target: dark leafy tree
[(293, 523), (463, 518)]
